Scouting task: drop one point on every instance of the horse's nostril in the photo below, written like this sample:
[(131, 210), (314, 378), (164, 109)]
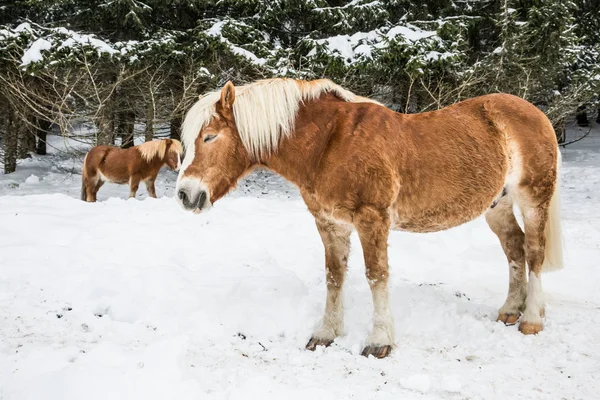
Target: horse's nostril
[(201, 199), (182, 195)]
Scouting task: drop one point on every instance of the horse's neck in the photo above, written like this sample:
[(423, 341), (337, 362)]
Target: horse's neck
[(299, 153)]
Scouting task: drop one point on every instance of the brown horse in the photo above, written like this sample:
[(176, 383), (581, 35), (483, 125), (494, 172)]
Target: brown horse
[(132, 165), (360, 165)]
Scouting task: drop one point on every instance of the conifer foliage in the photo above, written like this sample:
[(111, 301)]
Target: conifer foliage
[(125, 63)]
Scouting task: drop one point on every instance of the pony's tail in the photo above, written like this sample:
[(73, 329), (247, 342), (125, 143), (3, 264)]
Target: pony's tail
[(84, 180), (553, 255)]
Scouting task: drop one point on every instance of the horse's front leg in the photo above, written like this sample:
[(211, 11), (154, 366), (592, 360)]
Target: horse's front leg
[(134, 183), (150, 187), (336, 239), (373, 226)]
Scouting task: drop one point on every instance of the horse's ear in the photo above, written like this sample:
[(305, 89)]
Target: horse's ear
[(227, 97)]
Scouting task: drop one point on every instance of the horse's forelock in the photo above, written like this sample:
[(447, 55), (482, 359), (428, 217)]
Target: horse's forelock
[(198, 116)]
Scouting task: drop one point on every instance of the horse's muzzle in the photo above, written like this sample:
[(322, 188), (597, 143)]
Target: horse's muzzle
[(196, 202)]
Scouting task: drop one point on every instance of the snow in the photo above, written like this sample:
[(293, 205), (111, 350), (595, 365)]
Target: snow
[(436, 55), (341, 44), (351, 4), (76, 38), (137, 299), (32, 179), (360, 46), (34, 52), (216, 31), (410, 33), (25, 26), (247, 54)]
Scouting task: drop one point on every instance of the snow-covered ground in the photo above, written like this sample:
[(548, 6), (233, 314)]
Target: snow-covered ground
[(136, 299)]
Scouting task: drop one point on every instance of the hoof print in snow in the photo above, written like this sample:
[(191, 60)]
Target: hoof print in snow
[(377, 351), (314, 342)]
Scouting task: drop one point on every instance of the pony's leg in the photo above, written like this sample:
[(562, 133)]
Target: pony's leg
[(150, 187), (373, 226), (534, 219), (336, 240), (90, 188), (501, 220), (97, 187), (134, 184)]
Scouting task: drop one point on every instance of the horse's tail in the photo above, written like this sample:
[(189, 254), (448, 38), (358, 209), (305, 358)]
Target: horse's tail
[(84, 179), (553, 255)]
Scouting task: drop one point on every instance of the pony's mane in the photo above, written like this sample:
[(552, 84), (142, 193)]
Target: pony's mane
[(176, 147), (264, 111), (158, 148)]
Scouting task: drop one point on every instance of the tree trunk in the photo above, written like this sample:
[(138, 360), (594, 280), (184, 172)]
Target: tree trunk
[(126, 127), (149, 131), (106, 125), (176, 128), (10, 144), (582, 117), (43, 127), (26, 139)]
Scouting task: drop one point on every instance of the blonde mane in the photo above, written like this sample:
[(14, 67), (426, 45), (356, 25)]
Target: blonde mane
[(158, 148), (264, 111), (176, 147)]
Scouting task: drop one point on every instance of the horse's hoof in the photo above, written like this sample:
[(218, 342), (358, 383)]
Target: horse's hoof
[(530, 329), (508, 319), (314, 342), (377, 351)]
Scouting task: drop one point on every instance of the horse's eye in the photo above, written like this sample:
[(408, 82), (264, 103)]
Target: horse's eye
[(209, 138)]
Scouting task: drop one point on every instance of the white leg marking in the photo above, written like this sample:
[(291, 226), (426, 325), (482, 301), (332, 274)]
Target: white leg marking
[(517, 292), (383, 322), (535, 301), (332, 324)]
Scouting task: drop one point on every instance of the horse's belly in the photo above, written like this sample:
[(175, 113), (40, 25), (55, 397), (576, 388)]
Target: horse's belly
[(114, 176), (440, 217)]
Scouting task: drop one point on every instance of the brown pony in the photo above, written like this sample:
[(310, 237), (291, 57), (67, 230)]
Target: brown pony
[(132, 165), (361, 166)]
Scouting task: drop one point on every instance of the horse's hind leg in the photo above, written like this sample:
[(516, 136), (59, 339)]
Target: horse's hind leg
[(534, 218), (97, 187), (501, 220), (336, 239), (90, 188)]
